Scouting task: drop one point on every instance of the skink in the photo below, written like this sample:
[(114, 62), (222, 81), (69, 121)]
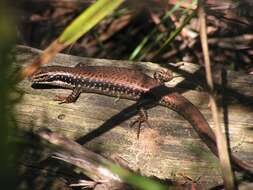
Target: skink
[(129, 84)]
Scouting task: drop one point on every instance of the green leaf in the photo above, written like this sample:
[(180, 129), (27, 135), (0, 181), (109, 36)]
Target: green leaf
[(88, 19), (140, 49), (138, 181)]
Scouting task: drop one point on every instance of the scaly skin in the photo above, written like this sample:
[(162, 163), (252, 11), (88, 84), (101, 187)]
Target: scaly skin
[(129, 84)]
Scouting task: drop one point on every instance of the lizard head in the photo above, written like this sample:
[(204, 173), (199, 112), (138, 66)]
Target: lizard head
[(42, 75), (53, 75)]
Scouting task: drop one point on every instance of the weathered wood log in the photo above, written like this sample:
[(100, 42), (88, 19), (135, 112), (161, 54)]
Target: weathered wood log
[(93, 165), (167, 150)]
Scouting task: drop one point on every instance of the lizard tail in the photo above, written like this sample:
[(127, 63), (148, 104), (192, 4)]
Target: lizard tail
[(185, 108)]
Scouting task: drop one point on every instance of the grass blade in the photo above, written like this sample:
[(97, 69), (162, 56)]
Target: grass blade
[(89, 18)]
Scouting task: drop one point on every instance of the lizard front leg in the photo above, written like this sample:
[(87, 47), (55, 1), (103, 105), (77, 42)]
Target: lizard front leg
[(162, 77), (70, 98)]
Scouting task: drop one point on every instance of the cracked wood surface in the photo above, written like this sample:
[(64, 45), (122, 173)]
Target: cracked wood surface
[(168, 149)]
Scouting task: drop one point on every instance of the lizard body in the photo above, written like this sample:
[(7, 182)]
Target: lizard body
[(129, 84)]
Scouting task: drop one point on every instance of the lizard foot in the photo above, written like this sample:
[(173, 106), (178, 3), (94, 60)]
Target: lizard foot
[(163, 76), (70, 98), (61, 99), (143, 118)]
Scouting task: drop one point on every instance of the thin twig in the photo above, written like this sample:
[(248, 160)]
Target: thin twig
[(95, 166), (220, 137)]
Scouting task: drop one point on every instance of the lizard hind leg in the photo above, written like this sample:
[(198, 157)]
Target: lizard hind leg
[(70, 98), (163, 76), (141, 119)]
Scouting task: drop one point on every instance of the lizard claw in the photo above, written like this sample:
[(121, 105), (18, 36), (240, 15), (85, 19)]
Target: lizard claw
[(143, 118), (61, 99)]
